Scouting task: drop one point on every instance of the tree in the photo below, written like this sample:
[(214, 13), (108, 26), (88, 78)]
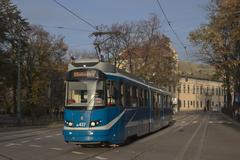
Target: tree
[(43, 71), (218, 42), (12, 41), (142, 49)]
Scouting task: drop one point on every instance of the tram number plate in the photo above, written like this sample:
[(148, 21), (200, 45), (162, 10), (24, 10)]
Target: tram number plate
[(83, 124)]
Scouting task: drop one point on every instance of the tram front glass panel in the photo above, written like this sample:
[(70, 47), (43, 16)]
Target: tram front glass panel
[(85, 88)]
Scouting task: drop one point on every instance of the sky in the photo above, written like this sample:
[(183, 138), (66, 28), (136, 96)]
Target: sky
[(184, 16)]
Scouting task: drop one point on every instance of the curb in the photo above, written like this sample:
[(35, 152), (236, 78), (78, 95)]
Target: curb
[(230, 119), (16, 128)]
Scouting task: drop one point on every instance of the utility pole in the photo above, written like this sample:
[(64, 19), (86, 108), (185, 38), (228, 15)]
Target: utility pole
[(97, 42), (19, 85)]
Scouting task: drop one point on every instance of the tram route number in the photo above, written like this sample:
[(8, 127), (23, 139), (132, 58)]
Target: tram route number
[(83, 124)]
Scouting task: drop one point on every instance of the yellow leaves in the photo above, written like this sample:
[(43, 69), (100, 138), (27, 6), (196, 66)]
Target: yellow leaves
[(38, 92)]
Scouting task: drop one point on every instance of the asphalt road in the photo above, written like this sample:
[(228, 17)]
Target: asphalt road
[(193, 136)]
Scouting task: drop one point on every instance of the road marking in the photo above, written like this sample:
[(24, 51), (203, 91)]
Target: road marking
[(13, 144), (210, 122), (39, 138), (25, 141), (183, 121), (58, 134), (100, 158), (48, 136), (76, 152), (220, 122), (185, 148), (229, 122), (200, 146), (34, 145), (57, 149), (195, 122)]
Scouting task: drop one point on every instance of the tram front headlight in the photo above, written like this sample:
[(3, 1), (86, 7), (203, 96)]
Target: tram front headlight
[(95, 123), (70, 124)]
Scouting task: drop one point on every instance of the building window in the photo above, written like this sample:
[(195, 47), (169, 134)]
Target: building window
[(188, 103), (197, 92), (201, 104), (197, 104), (212, 103), (184, 88), (201, 89), (169, 88), (179, 89), (193, 89), (188, 88), (212, 90), (184, 105), (193, 104), (174, 89)]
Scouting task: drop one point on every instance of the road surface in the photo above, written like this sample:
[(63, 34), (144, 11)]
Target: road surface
[(193, 136)]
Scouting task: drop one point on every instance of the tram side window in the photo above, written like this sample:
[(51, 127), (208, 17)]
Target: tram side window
[(145, 98), (140, 97), (159, 101), (111, 93), (134, 97), (167, 101), (164, 101), (128, 96), (122, 99), (155, 101)]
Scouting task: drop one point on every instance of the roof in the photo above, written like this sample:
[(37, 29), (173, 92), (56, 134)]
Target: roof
[(197, 71), (108, 68)]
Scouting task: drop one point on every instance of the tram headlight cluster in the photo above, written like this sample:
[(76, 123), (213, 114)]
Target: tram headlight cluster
[(69, 124), (94, 123)]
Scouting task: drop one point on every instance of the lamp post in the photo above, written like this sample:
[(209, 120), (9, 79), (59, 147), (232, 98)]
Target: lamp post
[(19, 86)]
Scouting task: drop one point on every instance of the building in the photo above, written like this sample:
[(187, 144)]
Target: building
[(196, 89), (196, 93)]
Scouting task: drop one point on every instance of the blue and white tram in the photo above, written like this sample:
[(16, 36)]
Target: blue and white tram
[(106, 105)]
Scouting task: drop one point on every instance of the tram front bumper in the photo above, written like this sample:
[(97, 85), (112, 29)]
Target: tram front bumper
[(86, 136)]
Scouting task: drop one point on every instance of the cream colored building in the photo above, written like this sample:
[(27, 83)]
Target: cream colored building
[(199, 94), (196, 89)]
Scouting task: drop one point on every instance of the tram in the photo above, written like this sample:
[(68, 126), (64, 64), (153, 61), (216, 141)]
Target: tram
[(105, 105)]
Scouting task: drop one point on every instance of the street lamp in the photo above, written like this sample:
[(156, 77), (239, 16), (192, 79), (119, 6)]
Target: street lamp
[(19, 85)]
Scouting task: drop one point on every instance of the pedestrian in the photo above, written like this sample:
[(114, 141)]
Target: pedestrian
[(235, 113)]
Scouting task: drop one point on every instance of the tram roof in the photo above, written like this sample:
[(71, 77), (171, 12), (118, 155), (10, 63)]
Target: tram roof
[(108, 68)]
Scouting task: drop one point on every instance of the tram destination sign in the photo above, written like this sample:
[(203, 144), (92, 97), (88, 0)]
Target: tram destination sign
[(84, 74)]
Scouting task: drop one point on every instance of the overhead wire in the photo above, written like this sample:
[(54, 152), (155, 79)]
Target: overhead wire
[(174, 32), (66, 28), (74, 14)]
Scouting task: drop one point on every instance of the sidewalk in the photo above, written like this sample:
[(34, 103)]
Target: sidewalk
[(231, 119), (55, 124)]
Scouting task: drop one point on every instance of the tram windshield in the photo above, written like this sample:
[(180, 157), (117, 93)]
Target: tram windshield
[(85, 93)]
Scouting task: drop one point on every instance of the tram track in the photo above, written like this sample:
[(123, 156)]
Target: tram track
[(112, 149), (5, 157), (153, 145), (103, 152), (22, 135), (203, 125), (135, 157)]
